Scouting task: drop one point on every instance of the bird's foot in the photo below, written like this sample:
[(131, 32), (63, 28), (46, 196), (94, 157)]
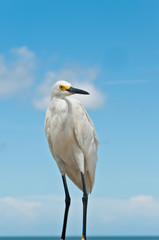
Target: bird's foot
[(83, 238)]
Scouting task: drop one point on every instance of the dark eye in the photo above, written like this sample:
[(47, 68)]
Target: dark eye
[(61, 87)]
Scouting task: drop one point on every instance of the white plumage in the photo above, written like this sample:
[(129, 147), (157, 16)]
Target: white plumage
[(71, 136)]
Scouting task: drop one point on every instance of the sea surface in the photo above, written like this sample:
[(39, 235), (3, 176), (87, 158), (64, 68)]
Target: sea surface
[(79, 238)]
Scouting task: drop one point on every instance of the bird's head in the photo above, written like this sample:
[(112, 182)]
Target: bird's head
[(63, 89)]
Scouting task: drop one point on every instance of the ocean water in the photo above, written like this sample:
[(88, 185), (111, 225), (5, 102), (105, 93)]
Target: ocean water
[(79, 238)]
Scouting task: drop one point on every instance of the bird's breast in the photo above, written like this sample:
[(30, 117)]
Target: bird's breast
[(61, 133)]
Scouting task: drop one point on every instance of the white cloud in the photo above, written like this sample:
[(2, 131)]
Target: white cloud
[(19, 205), (16, 74), (44, 215), (18, 214), (142, 199), (81, 78)]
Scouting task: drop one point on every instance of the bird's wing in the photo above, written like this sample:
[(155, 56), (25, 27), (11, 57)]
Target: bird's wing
[(87, 140), (47, 129)]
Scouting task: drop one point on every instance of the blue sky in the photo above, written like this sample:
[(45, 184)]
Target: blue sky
[(110, 48)]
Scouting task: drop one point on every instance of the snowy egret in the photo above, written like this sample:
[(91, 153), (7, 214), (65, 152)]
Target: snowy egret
[(73, 143)]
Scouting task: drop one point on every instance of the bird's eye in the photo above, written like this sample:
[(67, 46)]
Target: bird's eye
[(61, 87)]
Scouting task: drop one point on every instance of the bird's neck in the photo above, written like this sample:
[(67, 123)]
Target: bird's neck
[(59, 104)]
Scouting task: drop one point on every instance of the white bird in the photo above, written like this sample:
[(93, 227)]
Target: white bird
[(73, 143)]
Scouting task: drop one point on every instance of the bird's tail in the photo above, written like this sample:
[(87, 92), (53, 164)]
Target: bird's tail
[(76, 178)]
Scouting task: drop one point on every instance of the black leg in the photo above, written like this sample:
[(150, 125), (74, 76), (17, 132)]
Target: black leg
[(85, 200), (67, 201)]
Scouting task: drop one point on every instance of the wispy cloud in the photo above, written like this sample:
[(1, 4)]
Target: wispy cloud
[(43, 215), (78, 77), (126, 82), (17, 73)]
